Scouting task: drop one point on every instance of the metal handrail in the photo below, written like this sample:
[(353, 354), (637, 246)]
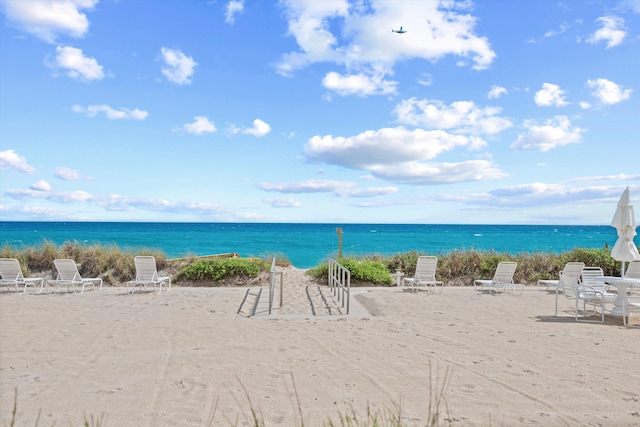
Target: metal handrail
[(272, 283), (339, 282)]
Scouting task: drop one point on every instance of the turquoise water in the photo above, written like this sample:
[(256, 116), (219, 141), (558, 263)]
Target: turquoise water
[(307, 245)]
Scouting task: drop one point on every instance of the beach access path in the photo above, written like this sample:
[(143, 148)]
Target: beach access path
[(188, 357)]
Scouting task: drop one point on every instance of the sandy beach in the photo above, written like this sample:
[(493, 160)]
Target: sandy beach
[(196, 356)]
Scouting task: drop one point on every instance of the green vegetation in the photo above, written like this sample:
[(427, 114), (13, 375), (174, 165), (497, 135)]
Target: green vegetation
[(457, 268), (219, 269), (462, 268)]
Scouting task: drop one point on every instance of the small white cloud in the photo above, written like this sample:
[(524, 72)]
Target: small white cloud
[(553, 133), (179, 68), (76, 65), (358, 84), (47, 18), (67, 174), (233, 8), (608, 92), (9, 159), (585, 105), (260, 128), (612, 31), (111, 113), (283, 202), (200, 125), (549, 95), (551, 33), (459, 116), (311, 186), (425, 79), (496, 92), (41, 185)]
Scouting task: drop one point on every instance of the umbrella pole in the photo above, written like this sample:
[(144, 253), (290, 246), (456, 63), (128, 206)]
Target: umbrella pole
[(622, 269)]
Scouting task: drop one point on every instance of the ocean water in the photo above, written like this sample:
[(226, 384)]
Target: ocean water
[(307, 245)]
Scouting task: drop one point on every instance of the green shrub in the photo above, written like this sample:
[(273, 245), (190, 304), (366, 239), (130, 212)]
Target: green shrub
[(218, 269)]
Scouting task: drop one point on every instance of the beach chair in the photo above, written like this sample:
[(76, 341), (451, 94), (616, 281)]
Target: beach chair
[(69, 275), (11, 274), (425, 275), (147, 274), (631, 305), (568, 281), (569, 275), (502, 279), (633, 270), (592, 292)]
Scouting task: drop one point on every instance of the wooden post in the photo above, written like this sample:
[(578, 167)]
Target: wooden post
[(339, 231)]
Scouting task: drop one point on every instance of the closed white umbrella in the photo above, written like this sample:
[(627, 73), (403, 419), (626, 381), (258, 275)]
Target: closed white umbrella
[(624, 221)]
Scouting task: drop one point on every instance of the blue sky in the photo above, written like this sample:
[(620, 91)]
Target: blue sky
[(493, 112)]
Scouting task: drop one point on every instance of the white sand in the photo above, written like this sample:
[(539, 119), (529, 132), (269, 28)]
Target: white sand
[(191, 357)]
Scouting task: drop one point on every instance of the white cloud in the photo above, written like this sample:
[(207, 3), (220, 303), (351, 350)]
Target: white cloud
[(612, 31), (283, 202), (400, 155), (585, 105), (338, 188), (537, 194), (421, 173), (549, 95), (459, 116), (77, 65), (200, 125), (111, 113), (47, 18), (367, 192), (9, 159), (607, 92), (358, 84), (260, 128), (387, 145), (67, 174), (234, 7), (551, 33), (179, 68), (58, 197), (311, 186), (553, 133), (359, 38), (41, 185), (496, 92)]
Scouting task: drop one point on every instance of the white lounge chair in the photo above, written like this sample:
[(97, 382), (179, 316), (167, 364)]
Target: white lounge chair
[(631, 305), (569, 275), (568, 281), (425, 275), (592, 292), (11, 274), (502, 279), (633, 270), (147, 274), (69, 275)]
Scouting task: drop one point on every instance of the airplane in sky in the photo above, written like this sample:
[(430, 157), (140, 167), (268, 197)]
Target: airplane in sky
[(400, 31)]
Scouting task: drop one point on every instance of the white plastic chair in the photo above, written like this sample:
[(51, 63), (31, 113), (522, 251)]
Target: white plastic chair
[(425, 275), (568, 281), (592, 292), (11, 274), (69, 275), (147, 274), (502, 279)]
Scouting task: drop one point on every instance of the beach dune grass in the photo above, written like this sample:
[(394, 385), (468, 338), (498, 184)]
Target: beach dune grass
[(457, 268)]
